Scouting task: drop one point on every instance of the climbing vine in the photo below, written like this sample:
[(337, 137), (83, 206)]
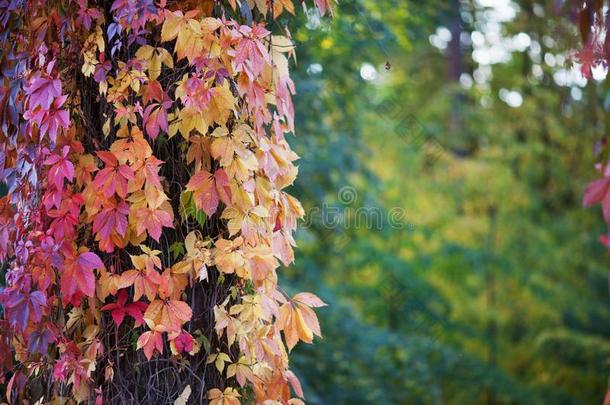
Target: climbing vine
[(142, 146)]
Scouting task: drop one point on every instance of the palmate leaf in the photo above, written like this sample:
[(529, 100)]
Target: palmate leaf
[(78, 279), (23, 307), (203, 188), (122, 308), (177, 249), (188, 209)]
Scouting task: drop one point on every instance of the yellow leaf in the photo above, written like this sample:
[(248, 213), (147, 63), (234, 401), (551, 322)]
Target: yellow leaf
[(166, 57), (144, 52), (210, 24), (305, 334), (262, 6), (221, 104), (219, 360), (183, 398), (154, 67), (279, 46), (190, 119), (188, 45), (106, 127), (171, 26)]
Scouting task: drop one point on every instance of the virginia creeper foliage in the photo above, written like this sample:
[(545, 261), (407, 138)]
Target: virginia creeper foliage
[(593, 23), (143, 147)]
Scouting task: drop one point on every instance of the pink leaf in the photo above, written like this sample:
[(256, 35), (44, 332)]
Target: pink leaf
[(42, 92), (203, 186), (596, 191), (309, 299)]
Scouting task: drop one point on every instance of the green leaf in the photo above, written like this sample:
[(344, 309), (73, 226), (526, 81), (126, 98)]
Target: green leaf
[(188, 209), (177, 249)]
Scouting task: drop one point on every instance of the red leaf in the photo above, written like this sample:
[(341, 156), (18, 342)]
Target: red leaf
[(119, 309), (184, 342), (90, 261), (151, 171), (598, 191), (222, 186)]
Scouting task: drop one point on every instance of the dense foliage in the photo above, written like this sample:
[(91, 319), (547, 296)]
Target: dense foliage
[(142, 148), (492, 288)]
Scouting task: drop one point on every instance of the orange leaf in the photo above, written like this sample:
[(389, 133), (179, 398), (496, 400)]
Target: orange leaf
[(170, 314)]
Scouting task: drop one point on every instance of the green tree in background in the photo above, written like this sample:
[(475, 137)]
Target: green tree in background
[(491, 288)]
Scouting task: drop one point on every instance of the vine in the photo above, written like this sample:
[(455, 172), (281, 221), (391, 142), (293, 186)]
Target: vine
[(143, 147)]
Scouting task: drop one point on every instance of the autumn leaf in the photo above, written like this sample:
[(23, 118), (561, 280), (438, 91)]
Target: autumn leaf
[(78, 279), (61, 168), (229, 396), (108, 284), (114, 177), (151, 341), (295, 383), (324, 5), (154, 58), (155, 118), (222, 102), (250, 57), (182, 342), (598, 191), (169, 313), (42, 91), (229, 256), (40, 340), (241, 370), (233, 153), (111, 225), (152, 220), (151, 171), (298, 320), (281, 5), (144, 280), (309, 299), (173, 24), (184, 396), (187, 120), (187, 32), (224, 321), (198, 151), (203, 186), (121, 308), (21, 305), (249, 222), (223, 146), (219, 360)]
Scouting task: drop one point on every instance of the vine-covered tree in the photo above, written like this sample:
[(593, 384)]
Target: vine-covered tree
[(143, 151)]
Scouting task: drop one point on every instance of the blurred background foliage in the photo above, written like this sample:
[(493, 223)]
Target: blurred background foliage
[(492, 288)]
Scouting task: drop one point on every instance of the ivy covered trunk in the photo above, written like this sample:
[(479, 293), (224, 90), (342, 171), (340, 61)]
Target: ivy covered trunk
[(143, 148)]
